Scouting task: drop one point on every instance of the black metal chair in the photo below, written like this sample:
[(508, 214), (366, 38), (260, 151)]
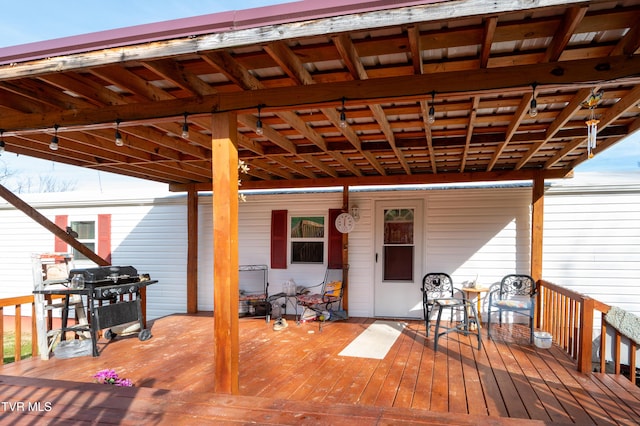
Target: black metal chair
[(517, 294), (328, 301), (435, 285)]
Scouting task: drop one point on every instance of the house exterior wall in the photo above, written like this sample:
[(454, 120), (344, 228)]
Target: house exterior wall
[(591, 240), (467, 233), (147, 233)]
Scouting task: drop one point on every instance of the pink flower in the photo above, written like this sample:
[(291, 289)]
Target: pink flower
[(110, 377)]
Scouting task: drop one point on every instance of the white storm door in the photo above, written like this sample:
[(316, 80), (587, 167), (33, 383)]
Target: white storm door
[(398, 259)]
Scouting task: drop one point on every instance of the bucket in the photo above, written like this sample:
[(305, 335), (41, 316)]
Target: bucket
[(243, 307), (542, 339)]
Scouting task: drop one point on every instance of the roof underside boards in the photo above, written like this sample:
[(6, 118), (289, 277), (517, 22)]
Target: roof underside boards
[(343, 99)]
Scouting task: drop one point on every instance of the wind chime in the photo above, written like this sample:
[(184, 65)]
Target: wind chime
[(592, 123)]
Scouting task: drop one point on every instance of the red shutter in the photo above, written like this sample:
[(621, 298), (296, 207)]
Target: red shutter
[(104, 237), (279, 239), (335, 241), (60, 246)]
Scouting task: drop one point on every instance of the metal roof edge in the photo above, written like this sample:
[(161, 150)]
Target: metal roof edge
[(198, 25)]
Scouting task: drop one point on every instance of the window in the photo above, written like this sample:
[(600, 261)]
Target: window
[(86, 230), (307, 239), (93, 231), (398, 244)]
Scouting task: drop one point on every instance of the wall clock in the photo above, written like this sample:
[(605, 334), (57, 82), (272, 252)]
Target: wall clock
[(345, 223)]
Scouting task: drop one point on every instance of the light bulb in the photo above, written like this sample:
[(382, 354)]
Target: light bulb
[(533, 108), (53, 146), (119, 141), (259, 130), (343, 120), (432, 115)]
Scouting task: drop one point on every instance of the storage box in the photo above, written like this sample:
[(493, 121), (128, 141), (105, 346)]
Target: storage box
[(542, 339)]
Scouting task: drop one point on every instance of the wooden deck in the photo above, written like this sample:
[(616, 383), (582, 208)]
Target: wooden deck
[(295, 376)]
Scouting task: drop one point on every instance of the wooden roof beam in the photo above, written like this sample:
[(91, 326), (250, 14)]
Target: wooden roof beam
[(572, 18), (173, 71), (412, 87), (471, 120), (490, 25), (440, 178), (350, 57), (560, 120), (518, 116)]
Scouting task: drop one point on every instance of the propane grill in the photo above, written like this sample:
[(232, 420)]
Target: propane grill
[(103, 288)]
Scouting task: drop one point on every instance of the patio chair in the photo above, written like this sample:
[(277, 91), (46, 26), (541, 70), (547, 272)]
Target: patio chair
[(516, 293), (435, 285), (327, 303)]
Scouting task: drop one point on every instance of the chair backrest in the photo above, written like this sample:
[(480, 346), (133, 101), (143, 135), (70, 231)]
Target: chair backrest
[(517, 285), (437, 285), (332, 284)]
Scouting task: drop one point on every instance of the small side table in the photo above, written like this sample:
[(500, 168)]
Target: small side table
[(470, 291)]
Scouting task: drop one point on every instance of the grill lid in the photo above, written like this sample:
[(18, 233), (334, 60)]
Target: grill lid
[(107, 274)]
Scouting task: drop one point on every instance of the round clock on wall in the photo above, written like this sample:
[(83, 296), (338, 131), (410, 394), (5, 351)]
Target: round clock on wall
[(345, 223)]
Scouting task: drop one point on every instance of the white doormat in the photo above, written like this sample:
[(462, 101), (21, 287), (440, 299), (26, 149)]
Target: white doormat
[(375, 341)]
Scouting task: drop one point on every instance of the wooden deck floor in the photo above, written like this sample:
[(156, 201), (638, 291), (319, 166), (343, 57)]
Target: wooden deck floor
[(295, 376)]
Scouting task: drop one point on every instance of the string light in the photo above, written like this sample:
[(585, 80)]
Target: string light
[(431, 118), (53, 146), (1, 141), (118, 136), (343, 116), (259, 129), (185, 127), (533, 106)]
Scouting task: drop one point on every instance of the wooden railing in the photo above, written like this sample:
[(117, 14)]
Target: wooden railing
[(17, 303), (570, 318)]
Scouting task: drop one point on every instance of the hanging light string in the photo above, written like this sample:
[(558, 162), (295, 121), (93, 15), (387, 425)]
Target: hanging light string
[(533, 106), (1, 141), (431, 118), (118, 135), (259, 129), (343, 115), (53, 146), (185, 127)]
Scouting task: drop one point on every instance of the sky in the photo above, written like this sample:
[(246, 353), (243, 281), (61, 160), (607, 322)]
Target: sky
[(28, 21)]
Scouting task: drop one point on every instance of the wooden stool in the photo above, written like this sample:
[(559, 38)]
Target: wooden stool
[(459, 305)]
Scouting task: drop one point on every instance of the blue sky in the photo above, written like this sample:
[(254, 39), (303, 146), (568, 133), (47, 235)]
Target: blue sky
[(27, 21)]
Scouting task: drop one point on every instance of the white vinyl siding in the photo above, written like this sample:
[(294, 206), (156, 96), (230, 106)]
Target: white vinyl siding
[(591, 240), (592, 245)]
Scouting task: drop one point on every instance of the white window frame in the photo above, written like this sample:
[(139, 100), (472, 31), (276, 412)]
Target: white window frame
[(94, 240), (324, 239)]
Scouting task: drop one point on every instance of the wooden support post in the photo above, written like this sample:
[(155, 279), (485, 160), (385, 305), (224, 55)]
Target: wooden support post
[(585, 350), (345, 253), (225, 249), (537, 226), (192, 251)]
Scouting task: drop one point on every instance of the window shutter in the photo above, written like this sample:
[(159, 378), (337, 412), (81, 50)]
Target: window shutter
[(335, 241), (60, 246), (279, 239), (104, 237)]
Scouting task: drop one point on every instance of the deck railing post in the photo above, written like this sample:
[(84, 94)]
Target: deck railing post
[(585, 349)]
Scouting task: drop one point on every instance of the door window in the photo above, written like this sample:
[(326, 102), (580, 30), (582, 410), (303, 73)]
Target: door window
[(398, 245)]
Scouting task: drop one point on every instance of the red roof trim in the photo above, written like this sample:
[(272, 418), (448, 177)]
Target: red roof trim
[(198, 25)]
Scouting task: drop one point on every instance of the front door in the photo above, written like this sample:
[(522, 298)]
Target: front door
[(398, 259)]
